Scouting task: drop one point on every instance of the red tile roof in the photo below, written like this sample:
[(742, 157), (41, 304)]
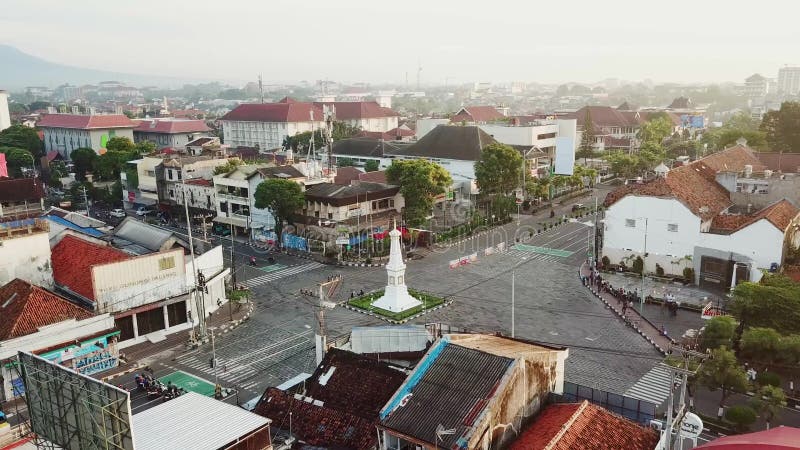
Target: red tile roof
[(694, 184), (358, 110), (274, 112), (24, 308), (344, 175), (200, 182), (377, 176), (477, 114), (85, 122), (171, 126), (779, 214), (317, 425), (73, 259), (21, 189), (606, 116), (583, 426), (782, 162)]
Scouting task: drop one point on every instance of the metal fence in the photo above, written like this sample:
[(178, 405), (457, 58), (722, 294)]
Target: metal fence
[(631, 408)]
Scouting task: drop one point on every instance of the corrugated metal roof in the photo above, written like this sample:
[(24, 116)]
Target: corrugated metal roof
[(453, 392), (653, 387), (192, 421), (147, 236)]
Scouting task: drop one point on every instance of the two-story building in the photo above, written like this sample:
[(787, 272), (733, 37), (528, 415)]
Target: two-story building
[(193, 174), (368, 116), (21, 198), (615, 128), (359, 208), (235, 194), (266, 125), (25, 252), (66, 132), (169, 132), (688, 219)]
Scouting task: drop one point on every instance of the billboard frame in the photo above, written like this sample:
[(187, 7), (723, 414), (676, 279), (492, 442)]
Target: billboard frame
[(71, 411)]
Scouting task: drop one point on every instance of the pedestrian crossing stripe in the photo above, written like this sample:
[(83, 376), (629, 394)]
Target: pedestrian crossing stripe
[(543, 250), (276, 275)]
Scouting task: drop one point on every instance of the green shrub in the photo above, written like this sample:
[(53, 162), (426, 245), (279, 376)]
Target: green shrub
[(768, 379), (638, 265), (606, 262), (688, 273), (741, 417), (659, 270)]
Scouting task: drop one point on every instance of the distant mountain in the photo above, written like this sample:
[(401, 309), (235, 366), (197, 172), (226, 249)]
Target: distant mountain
[(20, 69)]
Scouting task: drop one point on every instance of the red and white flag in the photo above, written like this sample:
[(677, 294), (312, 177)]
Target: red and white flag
[(3, 167)]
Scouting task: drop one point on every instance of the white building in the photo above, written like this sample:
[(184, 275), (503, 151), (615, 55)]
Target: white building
[(368, 116), (688, 220), (541, 134), (5, 116), (169, 132), (66, 132), (235, 194), (25, 252), (266, 125), (789, 81), (33, 318)]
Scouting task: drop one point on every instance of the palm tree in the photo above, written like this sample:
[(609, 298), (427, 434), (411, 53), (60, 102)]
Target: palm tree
[(768, 402)]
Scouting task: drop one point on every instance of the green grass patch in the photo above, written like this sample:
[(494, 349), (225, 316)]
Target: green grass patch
[(365, 302)]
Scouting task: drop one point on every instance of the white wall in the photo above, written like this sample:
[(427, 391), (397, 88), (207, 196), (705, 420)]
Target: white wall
[(49, 336), (211, 265), (760, 241), (5, 117), (138, 281), (27, 258)]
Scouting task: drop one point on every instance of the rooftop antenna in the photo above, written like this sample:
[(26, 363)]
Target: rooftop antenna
[(419, 70), (312, 154), (261, 87)]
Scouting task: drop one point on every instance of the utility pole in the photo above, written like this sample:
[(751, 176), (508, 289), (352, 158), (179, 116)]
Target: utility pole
[(233, 260), (513, 282), (86, 201), (261, 87), (676, 419), (644, 264), (199, 301)]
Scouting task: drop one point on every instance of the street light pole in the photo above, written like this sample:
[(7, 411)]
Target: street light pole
[(644, 264)]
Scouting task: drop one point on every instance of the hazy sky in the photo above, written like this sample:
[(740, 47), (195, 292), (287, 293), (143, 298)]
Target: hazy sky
[(382, 40)]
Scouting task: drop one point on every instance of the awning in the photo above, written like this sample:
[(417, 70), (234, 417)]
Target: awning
[(231, 221)]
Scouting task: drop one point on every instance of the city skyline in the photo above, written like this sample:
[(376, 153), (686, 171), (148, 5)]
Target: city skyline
[(357, 41)]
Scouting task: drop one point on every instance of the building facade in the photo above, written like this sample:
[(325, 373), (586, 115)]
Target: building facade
[(175, 133), (788, 81), (67, 132), (266, 125), (25, 252), (368, 116)]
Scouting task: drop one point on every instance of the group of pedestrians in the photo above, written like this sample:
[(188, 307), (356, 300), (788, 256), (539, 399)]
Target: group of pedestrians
[(354, 294)]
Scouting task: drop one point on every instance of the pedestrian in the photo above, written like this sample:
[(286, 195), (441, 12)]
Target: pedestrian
[(352, 295), (361, 294), (624, 308)]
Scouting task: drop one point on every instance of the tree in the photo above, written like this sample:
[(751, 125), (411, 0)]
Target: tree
[(372, 165), (120, 144), (768, 402), (420, 181), (342, 130), (345, 162), (721, 371), (109, 165), (499, 169), (655, 130), (282, 198), (718, 332), (83, 158), (774, 303), (741, 416), (228, 167), (586, 149), (18, 159), (782, 128), (623, 164), (145, 147), (129, 114), (39, 105), (760, 344), (20, 136)]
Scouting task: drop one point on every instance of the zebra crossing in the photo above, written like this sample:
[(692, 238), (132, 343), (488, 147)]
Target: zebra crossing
[(247, 370), (278, 274), (527, 255)]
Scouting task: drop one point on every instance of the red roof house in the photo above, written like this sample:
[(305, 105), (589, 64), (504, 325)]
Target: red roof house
[(24, 308), (583, 426), (358, 110), (171, 126), (274, 112), (73, 259), (83, 122), (477, 114)]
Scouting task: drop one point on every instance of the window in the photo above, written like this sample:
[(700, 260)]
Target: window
[(546, 136), (171, 193), (166, 263), (630, 223), (169, 174), (673, 227), (330, 215)]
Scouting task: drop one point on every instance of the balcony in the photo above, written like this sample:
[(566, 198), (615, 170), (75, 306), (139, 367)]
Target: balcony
[(233, 197)]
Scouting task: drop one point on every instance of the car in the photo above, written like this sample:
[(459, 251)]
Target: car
[(578, 207), (116, 212), (220, 230), (142, 211)]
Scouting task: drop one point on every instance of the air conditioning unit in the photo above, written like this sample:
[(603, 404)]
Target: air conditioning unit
[(657, 425)]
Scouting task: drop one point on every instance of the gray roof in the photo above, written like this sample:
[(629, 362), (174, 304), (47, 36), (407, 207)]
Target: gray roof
[(284, 172), (450, 142), (366, 147), (449, 390), (193, 421), (339, 195), (143, 236)]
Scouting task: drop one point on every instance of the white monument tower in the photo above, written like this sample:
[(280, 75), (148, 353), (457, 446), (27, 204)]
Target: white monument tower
[(396, 297)]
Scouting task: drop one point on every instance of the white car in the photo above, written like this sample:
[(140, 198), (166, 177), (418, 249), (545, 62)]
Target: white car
[(142, 211), (117, 213)]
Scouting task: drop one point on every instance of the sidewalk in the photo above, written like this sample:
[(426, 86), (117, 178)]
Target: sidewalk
[(222, 319), (690, 295)]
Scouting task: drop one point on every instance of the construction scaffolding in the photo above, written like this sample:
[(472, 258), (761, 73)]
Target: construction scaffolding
[(71, 411)]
